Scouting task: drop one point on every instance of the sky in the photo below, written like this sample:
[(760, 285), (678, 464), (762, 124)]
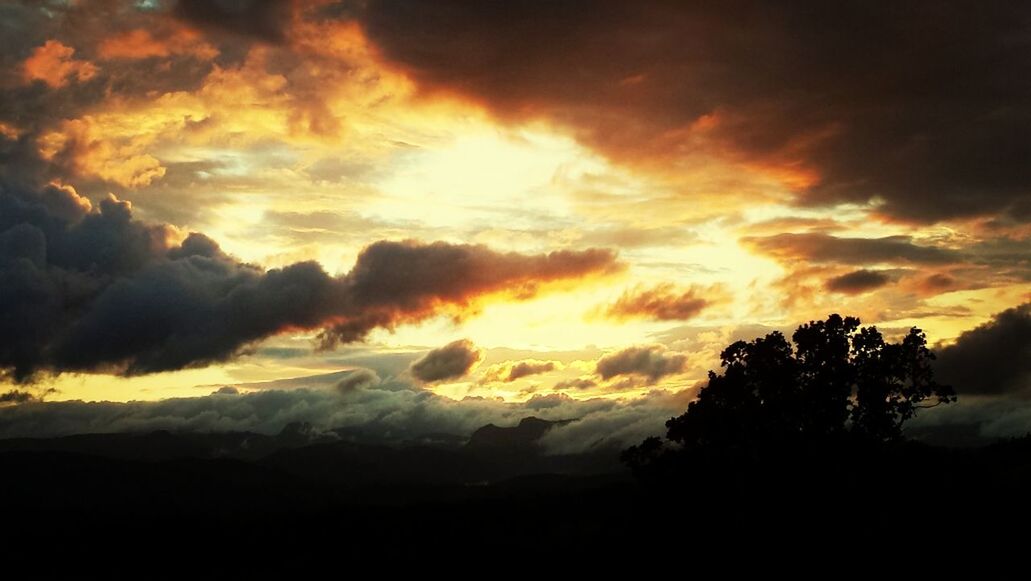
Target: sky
[(447, 213)]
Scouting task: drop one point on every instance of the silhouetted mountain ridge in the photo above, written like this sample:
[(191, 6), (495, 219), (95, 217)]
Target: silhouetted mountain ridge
[(347, 457)]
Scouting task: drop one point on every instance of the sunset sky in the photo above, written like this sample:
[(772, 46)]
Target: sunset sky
[(563, 208)]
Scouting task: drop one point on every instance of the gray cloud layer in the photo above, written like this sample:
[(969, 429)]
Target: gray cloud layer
[(381, 410)]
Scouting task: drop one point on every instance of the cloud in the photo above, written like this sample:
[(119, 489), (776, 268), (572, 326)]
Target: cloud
[(451, 361), (140, 43), (664, 302), (53, 64), (821, 94), (606, 428), (265, 20), (639, 237), (992, 359), (163, 85), (387, 411), (650, 361), (936, 283), (398, 282), (510, 371), (857, 282), (16, 396), (824, 248), (83, 149), (973, 420), (360, 379), (93, 289), (578, 383), (551, 400)]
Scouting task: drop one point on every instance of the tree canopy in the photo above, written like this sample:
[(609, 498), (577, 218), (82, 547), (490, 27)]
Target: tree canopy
[(835, 380)]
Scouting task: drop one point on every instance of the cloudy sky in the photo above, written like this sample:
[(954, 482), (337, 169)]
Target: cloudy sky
[(522, 206)]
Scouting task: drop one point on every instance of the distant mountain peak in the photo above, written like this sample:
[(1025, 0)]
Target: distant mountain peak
[(522, 437)]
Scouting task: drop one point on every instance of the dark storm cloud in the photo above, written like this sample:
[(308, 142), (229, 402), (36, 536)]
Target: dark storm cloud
[(451, 361), (859, 281), (816, 247), (992, 359), (650, 361), (263, 19), (922, 104), (93, 289)]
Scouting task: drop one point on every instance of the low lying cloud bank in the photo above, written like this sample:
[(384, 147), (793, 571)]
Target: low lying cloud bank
[(972, 421), (387, 410)]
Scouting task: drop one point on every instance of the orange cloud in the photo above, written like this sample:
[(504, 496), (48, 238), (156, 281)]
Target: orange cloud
[(53, 64), (664, 302), (936, 283), (9, 131), (310, 93), (83, 145), (141, 44), (396, 283)]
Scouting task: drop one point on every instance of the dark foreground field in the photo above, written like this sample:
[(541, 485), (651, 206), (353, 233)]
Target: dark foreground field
[(245, 502)]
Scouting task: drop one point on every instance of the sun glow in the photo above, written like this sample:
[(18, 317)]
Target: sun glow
[(314, 146)]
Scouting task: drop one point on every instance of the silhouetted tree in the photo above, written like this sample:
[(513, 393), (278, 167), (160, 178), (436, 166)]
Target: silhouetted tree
[(838, 380)]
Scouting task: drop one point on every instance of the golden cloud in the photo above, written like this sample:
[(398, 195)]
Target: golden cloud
[(54, 64)]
